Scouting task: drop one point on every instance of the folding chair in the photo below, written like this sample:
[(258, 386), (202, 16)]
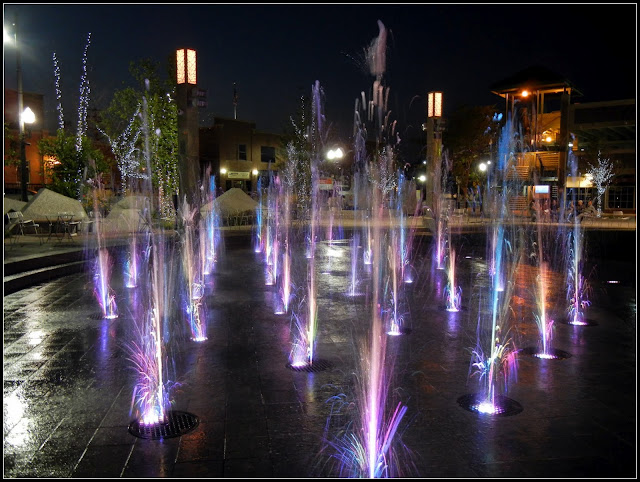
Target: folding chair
[(16, 218)]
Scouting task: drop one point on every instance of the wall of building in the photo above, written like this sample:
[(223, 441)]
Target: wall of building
[(219, 151), (33, 133)]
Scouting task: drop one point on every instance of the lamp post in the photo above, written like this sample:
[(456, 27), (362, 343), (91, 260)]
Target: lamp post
[(188, 132), (434, 141), (23, 116), (337, 154), (422, 178)]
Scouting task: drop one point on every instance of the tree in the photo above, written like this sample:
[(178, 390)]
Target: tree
[(297, 162), (12, 151), (70, 166), (470, 132), (123, 124), (602, 174), (73, 158)]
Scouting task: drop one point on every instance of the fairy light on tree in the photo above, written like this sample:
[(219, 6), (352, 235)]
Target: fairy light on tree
[(76, 157), (124, 150), (122, 122), (84, 98), (56, 72), (601, 176)]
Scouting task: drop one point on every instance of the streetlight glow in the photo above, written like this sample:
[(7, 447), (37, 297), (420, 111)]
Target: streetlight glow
[(482, 167), (337, 153), (28, 116), (7, 36)]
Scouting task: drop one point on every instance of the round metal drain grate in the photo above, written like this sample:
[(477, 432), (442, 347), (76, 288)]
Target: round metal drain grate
[(550, 354), (175, 424), (502, 406), (317, 366)]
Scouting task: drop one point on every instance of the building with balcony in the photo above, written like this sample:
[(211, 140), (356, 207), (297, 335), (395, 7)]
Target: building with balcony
[(558, 133)]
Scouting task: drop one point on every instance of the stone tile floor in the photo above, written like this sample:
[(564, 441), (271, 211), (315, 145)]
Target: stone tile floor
[(68, 379)]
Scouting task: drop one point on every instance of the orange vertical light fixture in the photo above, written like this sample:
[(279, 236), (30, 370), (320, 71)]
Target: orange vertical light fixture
[(186, 66), (434, 104)]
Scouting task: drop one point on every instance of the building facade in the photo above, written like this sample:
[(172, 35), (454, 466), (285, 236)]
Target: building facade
[(238, 155), (558, 133), (36, 166)]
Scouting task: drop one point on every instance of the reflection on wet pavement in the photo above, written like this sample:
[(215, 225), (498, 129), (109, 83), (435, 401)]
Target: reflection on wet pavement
[(68, 381)]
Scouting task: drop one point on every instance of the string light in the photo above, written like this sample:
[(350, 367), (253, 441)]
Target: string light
[(56, 72)]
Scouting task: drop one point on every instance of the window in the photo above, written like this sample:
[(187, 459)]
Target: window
[(581, 193), (267, 154), (242, 152), (620, 197)]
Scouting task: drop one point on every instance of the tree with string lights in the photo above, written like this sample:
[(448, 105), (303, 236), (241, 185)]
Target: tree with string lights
[(602, 173), (122, 124)]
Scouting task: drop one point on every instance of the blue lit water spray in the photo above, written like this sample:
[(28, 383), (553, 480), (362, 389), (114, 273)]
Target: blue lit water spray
[(494, 360), (578, 288)]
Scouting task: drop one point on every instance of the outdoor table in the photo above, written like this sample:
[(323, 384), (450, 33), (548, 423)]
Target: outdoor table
[(64, 227)]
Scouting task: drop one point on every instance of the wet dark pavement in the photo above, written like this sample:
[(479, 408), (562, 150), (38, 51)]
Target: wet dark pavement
[(68, 382)]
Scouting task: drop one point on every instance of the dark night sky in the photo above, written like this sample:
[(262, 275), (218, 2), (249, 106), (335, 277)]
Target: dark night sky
[(276, 52)]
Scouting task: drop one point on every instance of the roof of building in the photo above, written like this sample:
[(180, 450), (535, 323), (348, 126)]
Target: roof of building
[(535, 78)]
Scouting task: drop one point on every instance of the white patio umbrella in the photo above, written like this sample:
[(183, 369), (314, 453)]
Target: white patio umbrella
[(231, 202), (10, 204), (47, 203), (120, 220)]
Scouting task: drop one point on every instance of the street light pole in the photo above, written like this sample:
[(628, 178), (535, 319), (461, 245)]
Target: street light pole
[(24, 175)]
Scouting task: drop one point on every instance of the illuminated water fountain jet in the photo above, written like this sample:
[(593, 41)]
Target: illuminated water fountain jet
[(191, 267), (368, 448), (305, 327), (103, 266), (395, 320), (453, 293), (132, 264), (154, 314), (578, 289), (494, 358), (210, 244)]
